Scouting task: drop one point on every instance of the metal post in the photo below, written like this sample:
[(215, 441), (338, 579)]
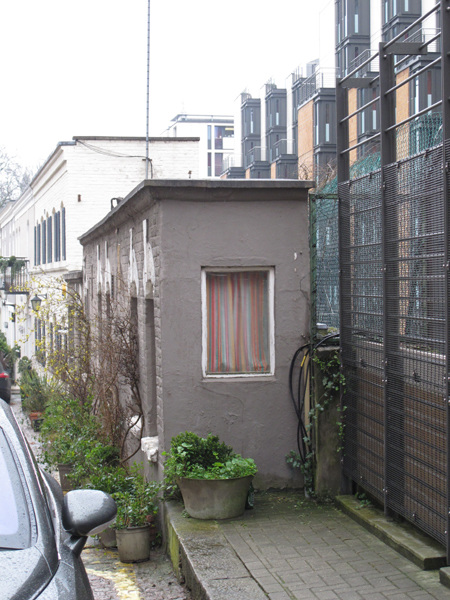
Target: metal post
[(148, 93), (388, 151), (343, 159), (343, 175), (445, 75)]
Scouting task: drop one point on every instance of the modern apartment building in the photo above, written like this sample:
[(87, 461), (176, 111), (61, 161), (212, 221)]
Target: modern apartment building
[(291, 133), (216, 135)]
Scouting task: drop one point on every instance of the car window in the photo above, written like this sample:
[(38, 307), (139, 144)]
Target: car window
[(15, 528)]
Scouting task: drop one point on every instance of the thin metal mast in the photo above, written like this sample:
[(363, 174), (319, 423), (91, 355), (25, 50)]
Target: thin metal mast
[(148, 92)]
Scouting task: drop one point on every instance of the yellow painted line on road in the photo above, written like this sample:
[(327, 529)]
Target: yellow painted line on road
[(124, 580)]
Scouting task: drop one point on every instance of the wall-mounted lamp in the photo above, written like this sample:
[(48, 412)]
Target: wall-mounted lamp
[(36, 302)]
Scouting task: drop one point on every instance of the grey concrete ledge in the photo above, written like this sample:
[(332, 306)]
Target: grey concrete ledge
[(402, 537), (203, 559)]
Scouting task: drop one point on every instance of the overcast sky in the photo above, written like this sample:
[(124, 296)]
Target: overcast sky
[(80, 67)]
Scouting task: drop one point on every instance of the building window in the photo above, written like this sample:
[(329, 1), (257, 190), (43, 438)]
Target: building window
[(356, 16), (218, 137), (57, 229), (209, 137), (49, 240), (327, 122), (38, 245), (345, 18), (218, 164), (237, 322), (44, 242), (63, 232), (209, 164)]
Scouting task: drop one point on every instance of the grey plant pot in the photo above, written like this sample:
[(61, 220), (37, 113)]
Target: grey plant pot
[(66, 484), (108, 538), (133, 544), (214, 498)]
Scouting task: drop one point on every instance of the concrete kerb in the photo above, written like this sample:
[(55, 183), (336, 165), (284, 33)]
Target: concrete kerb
[(202, 557), (401, 536)]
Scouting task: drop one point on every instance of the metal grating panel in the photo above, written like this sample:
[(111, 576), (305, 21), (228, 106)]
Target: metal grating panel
[(415, 346), (394, 359), (324, 241), (362, 330)]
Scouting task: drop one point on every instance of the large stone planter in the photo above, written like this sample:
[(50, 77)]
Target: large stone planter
[(214, 498), (133, 544)]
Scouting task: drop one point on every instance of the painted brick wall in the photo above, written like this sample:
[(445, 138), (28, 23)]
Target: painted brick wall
[(182, 235)]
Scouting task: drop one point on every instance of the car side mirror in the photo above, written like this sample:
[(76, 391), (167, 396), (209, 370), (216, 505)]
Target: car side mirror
[(85, 513)]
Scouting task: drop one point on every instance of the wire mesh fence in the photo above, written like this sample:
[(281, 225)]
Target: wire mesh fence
[(393, 337), (324, 241)]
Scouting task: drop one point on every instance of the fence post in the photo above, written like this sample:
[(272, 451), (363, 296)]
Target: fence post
[(388, 156), (445, 75)]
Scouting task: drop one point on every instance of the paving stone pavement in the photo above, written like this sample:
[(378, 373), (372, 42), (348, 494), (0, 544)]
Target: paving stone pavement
[(293, 548), (298, 550)]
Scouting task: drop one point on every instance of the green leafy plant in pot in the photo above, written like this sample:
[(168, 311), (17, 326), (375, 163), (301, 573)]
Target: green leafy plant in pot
[(213, 479), (137, 507)]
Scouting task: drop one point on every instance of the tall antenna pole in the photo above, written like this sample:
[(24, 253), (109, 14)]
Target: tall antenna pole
[(148, 91)]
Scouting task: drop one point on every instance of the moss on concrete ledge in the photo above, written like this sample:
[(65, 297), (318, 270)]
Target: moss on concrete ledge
[(401, 536)]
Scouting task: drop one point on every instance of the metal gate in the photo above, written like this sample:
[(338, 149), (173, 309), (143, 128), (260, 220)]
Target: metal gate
[(394, 237)]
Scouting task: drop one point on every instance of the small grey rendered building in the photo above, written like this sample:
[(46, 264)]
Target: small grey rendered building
[(219, 270)]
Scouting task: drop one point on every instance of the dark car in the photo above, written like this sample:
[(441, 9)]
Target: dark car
[(5, 385), (42, 532)]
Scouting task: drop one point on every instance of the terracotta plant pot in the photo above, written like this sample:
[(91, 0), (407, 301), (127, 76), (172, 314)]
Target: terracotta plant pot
[(214, 498), (35, 416), (133, 544)]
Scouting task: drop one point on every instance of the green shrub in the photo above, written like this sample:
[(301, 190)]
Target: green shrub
[(138, 503), (36, 391), (71, 434), (204, 458)]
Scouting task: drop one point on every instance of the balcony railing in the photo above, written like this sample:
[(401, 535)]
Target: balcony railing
[(322, 78), (14, 275), (256, 154)]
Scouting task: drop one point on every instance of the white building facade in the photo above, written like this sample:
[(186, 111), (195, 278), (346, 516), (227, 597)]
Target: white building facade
[(216, 146), (75, 188)]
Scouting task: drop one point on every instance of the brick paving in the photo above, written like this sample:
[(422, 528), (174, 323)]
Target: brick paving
[(298, 550)]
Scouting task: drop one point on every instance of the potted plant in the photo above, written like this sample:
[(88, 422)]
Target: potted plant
[(213, 479), (137, 506)]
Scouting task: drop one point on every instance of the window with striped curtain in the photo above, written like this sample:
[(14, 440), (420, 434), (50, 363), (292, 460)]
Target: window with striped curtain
[(238, 322)]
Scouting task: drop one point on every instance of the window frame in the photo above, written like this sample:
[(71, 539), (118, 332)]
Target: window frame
[(270, 270)]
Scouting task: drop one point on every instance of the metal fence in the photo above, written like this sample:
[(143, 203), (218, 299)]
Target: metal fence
[(395, 315), (393, 339), (324, 252)]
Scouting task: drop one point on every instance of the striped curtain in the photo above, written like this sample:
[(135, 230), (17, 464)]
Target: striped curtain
[(237, 322)]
